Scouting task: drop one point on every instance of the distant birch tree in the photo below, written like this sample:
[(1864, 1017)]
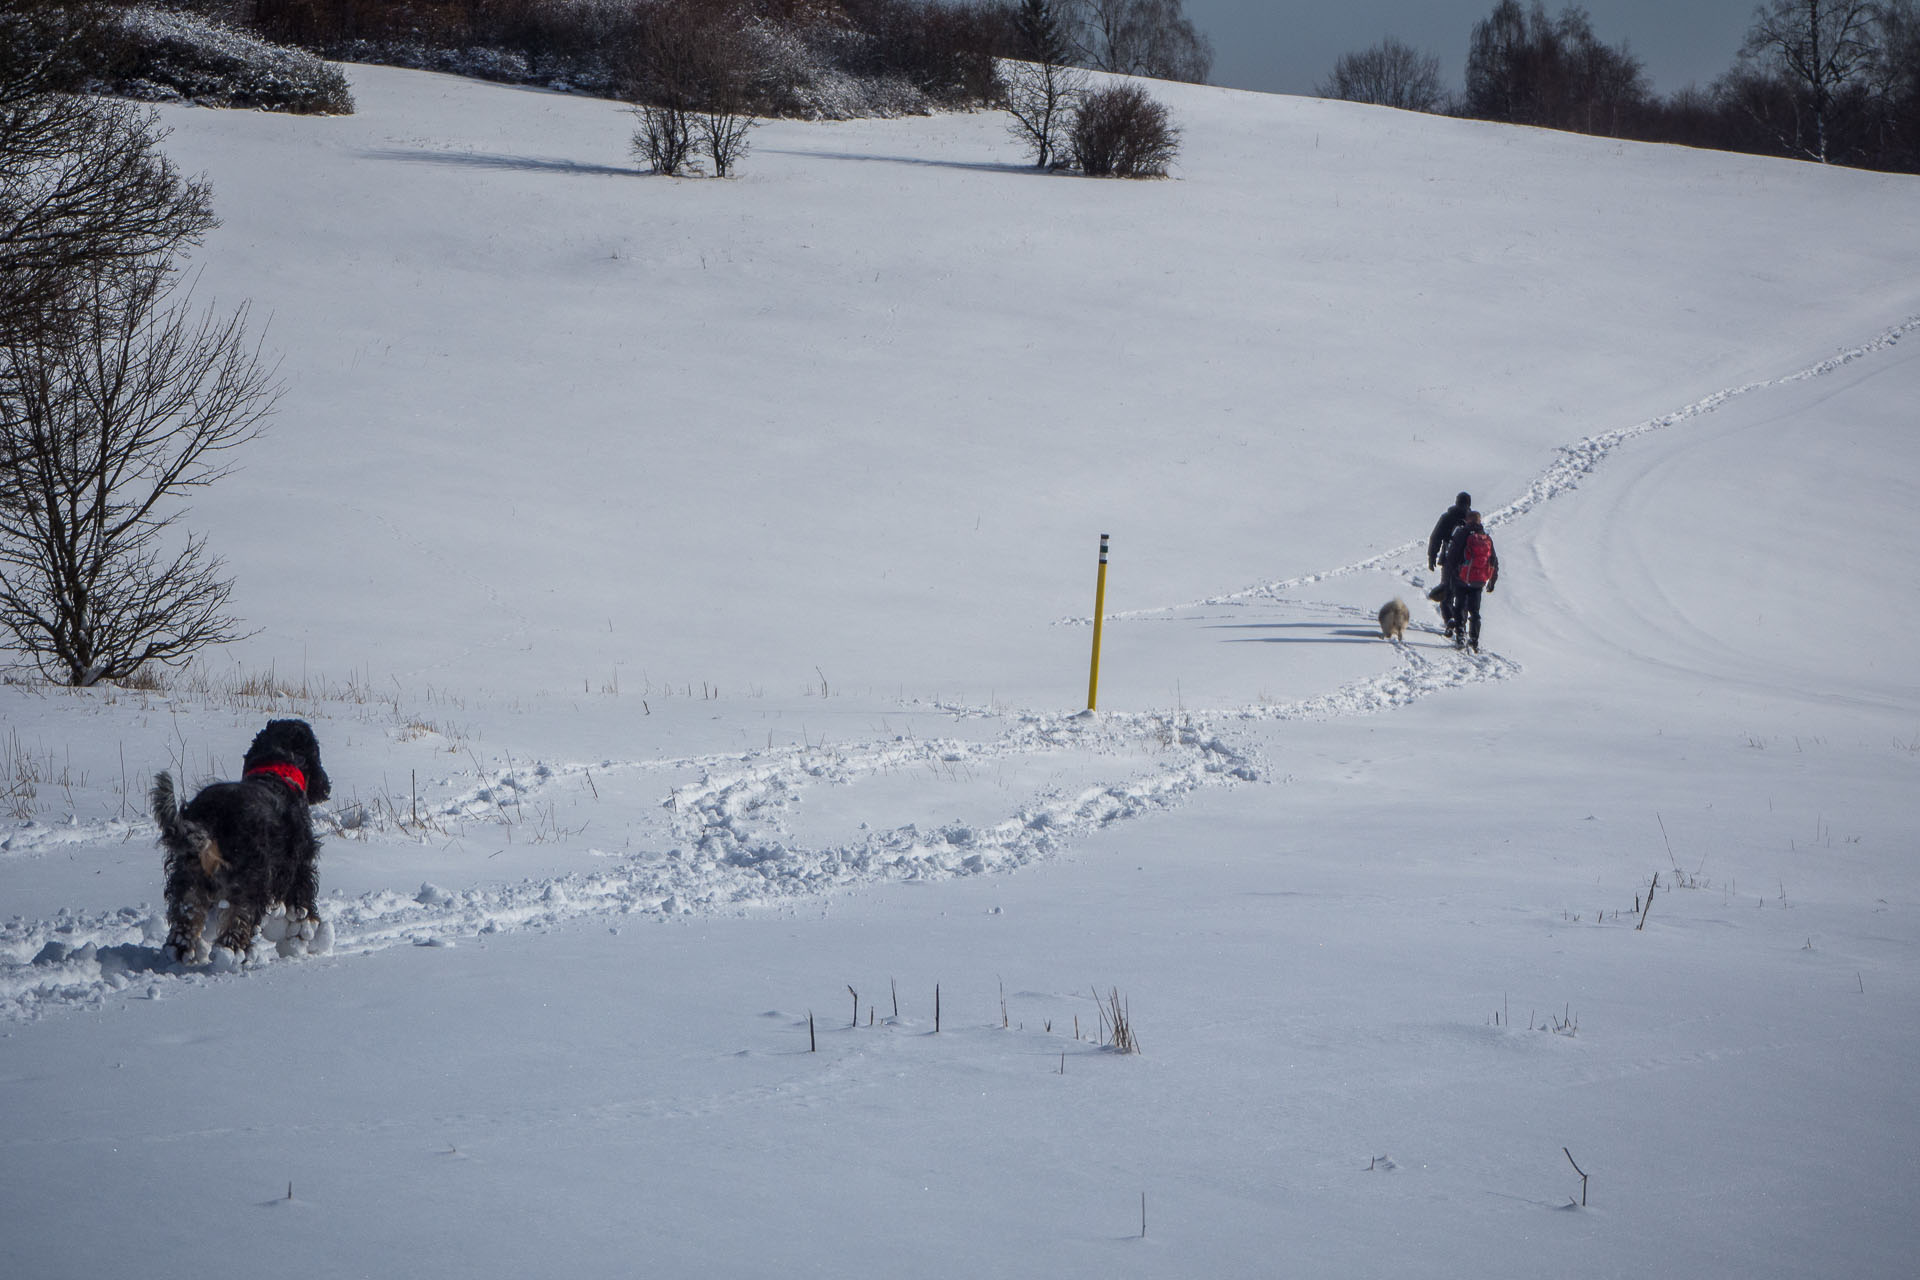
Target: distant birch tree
[(1524, 67), (1822, 48), (1896, 83), (1153, 38)]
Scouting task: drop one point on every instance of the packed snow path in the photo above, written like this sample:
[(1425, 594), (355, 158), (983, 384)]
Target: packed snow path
[(736, 836)]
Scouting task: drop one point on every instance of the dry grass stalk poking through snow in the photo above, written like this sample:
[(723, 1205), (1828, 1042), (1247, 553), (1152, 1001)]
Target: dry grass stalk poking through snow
[(1116, 1022)]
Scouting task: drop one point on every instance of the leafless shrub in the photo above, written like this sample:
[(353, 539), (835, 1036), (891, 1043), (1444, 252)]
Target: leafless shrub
[(724, 135), (1121, 132), (694, 73), (664, 138)]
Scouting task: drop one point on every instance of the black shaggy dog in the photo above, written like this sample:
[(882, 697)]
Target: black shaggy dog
[(248, 843)]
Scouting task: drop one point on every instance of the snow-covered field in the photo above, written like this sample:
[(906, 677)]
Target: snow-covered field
[(690, 583)]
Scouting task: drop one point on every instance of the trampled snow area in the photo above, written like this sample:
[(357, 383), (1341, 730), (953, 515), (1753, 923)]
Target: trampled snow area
[(690, 584)]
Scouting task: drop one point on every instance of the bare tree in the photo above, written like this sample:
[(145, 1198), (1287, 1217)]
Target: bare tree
[(662, 77), (1502, 64), (1601, 85), (723, 129), (663, 137), (1390, 74), (84, 190), (1896, 83), (1895, 68), (113, 404), (1524, 67), (1143, 38), (47, 46), (1041, 92), (83, 186), (693, 76), (105, 423), (1821, 47), (1041, 96), (728, 72)]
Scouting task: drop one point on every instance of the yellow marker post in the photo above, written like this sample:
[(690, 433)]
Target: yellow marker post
[(1099, 615)]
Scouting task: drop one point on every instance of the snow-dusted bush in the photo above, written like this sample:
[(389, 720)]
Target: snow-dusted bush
[(171, 54), (808, 60), (891, 58), (802, 74), (503, 65)]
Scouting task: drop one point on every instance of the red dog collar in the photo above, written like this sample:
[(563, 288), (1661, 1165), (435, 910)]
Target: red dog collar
[(285, 772)]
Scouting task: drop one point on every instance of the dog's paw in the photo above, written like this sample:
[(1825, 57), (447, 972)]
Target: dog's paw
[(310, 936), (277, 927), (187, 951), (222, 960)]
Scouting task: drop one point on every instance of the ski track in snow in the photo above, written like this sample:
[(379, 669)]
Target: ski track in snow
[(732, 846)]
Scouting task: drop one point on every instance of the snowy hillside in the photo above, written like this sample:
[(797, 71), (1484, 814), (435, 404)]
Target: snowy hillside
[(689, 583)]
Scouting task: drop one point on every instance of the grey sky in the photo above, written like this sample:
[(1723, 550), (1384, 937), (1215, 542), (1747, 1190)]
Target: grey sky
[(1288, 46)]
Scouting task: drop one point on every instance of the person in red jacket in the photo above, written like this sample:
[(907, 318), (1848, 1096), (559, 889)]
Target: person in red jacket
[(1473, 566)]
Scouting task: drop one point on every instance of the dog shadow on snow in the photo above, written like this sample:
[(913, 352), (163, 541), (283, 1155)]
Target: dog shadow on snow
[(126, 958), (1326, 633), (1299, 633)]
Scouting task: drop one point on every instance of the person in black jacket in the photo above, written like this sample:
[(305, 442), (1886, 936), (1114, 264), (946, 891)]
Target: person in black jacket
[(1450, 520), (1474, 567)]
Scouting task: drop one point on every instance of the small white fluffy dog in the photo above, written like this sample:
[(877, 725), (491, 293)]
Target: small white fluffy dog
[(1393, 619)]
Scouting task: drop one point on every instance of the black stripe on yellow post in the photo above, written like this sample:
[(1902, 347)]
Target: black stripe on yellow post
[(1099, 615)]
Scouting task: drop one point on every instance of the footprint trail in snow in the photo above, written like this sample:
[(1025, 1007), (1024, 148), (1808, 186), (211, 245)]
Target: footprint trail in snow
[(732, 839)]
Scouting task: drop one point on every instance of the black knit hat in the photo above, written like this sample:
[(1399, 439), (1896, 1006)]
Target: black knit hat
[(1463, 500)]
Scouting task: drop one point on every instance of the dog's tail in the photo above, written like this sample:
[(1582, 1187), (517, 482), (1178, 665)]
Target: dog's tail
[(185, 839)]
